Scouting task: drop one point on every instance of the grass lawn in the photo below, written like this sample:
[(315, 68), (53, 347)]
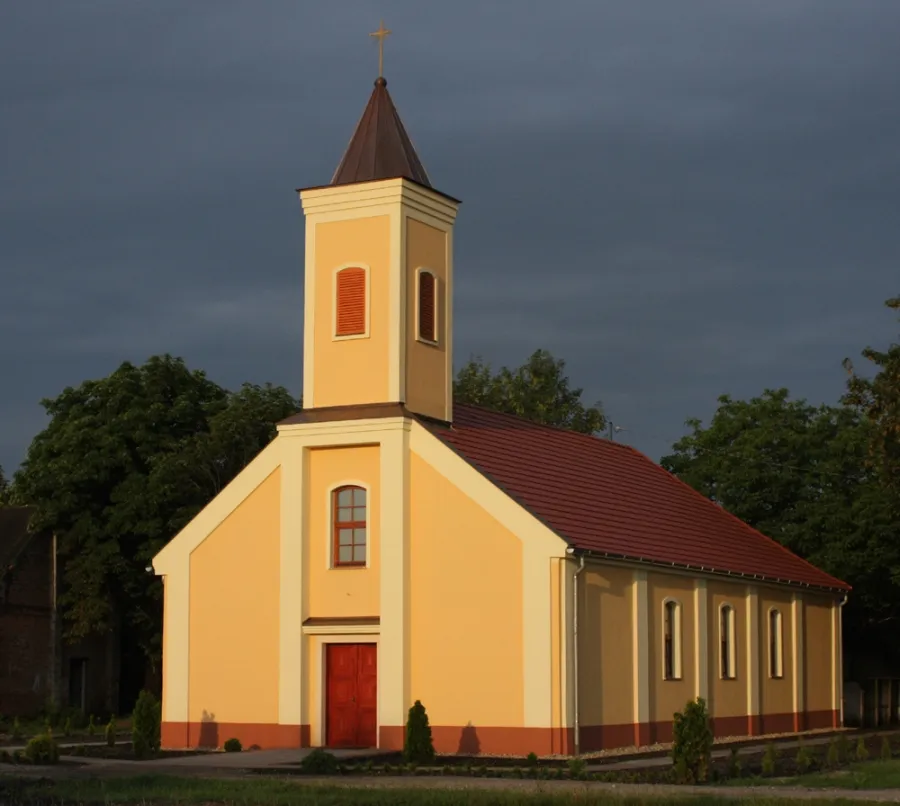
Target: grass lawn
[(168, 791), (864, 775)]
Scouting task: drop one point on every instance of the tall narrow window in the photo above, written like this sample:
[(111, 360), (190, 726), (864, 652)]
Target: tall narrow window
[(427, 306), (672, 640), (726, 641), (776, 658), (350, 302), (350, 533)]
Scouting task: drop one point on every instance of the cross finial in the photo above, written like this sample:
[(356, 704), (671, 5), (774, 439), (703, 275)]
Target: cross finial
[(380, 34)]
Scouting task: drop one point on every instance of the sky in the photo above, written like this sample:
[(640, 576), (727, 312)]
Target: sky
[(681, 199)]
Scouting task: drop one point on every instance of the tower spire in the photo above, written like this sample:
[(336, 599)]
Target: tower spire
[(380, 34)]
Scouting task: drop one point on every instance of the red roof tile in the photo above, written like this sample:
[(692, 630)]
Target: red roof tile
[(610, 499)]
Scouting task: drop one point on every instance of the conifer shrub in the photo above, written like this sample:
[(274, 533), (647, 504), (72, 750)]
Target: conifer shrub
[(531, 759), (110, 731), (42, 750), (91, 728), (67, 726), (576, 767), (833, 757), (734, 764), (692, 742), (862, 752), (770, 760), (843, 748), (16, 729), (418, 746), (232, 746), (804, 759), (320, 762), (145, 725), (887, 752)]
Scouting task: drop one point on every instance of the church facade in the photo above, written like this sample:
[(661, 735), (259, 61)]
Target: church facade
[(537, 590)]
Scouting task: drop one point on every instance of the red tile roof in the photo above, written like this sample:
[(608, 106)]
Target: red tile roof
[(609, 499)]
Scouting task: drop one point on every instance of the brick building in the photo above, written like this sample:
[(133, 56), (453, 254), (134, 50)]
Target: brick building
[(36, 666)]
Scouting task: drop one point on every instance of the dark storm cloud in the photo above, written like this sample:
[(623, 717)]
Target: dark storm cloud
[(681, 199)]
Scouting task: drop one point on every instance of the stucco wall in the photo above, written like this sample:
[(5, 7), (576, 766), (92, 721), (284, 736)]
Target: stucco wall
[(353, 370), (233, 675), (606, 682), (776, 695), (341, 592), (817, 642), (465, 608), (427, 373), (727, 697), (669, 696)]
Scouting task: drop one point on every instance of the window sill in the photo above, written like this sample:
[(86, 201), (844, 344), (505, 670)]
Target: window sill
[(350, 337), (349, 567)]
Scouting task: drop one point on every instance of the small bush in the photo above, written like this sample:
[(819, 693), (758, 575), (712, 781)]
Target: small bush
[(843, 748), (734, 764), (862, 752), (145, 725), (531, 759), (833, 757), (576, 767), (110, 732), (804, 760), (48, 728), (418, 746), (92, 728), (42, 750), (692, 742), (770, 760), (319, 762), (886, 752), (16, 729), (5, 757), (67, 727), (232, 746)]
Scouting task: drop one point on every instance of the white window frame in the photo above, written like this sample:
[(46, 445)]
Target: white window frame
[(676, 639), (437, 307), (732, 637), (331, 565), (776, 662), (368, 302)]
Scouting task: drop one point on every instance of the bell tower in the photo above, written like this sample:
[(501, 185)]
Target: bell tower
[(378, 313)]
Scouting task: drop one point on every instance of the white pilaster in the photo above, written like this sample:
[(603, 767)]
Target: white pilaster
[(701, 639), (752, 652), (641, 647)]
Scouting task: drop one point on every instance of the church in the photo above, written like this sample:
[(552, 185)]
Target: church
[(538, 590)]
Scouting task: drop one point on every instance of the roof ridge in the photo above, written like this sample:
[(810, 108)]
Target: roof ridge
[(744, 524)]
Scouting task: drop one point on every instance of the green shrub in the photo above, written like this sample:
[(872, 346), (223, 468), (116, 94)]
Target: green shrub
[(843, 748), (886, 752), (531, 759), (110, 732), (734, 764), (67, 727), (5, 757), (692, 742), (833, 757), (862, 752), (804, 760), (770, 760), (145, 725), (42, 750), (48, 728), (576, 767), (92, 728), (418, 746), (16, 729), (232, 746), (320, 762)]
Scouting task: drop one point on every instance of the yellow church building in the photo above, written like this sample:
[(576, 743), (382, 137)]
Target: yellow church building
[(538, 590)]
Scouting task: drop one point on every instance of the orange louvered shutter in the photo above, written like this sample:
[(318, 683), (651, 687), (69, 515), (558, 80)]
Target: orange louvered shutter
[(427, 324), (351, 302)]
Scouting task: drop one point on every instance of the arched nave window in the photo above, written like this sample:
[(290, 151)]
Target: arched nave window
[(427, 306), (776, 645), (727, 660), (671, 640), (350, 521)]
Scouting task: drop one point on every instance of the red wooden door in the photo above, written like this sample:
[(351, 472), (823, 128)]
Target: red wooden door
[(351, 695)]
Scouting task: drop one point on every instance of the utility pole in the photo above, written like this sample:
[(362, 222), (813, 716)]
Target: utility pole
[(613, 430)]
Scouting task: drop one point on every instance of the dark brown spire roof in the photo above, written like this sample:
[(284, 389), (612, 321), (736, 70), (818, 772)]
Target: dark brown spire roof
[(380, 147)]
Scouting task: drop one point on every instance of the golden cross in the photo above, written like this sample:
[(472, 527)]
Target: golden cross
[(380, 34)]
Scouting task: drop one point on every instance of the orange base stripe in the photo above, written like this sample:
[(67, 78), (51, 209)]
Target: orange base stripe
[(180, 735)]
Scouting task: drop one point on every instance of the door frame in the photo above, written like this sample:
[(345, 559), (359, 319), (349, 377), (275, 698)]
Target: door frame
[(319, 652)]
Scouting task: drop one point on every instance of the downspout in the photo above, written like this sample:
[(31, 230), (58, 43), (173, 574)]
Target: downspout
[(575, 651), (841, 656)]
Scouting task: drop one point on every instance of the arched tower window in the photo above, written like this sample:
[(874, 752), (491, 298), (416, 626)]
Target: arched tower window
[(776, 656), (350, 533), (427, 306), (727, 660), (671, 640), (350, 303)]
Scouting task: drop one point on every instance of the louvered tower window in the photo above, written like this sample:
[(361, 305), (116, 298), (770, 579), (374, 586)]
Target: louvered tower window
[(427, 306), (350, 305)]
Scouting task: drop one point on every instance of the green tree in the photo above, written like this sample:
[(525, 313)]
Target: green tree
[(538, 390), (878, 399), (5, 491), (798, 473), (123, 465)]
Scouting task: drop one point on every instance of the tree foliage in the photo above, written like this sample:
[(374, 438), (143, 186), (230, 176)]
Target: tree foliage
[(5, 491), (798, 473), (878, 399), (124, 463), (538, 390)]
